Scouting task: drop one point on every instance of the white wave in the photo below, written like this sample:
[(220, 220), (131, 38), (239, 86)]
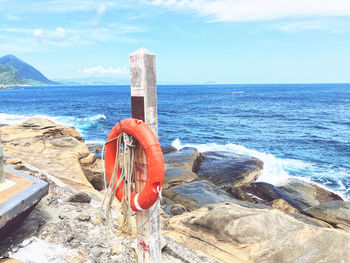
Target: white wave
[(80, 124), (275, 169)]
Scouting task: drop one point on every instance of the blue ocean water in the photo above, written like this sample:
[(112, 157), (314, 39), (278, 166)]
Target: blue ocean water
[(297, 130)]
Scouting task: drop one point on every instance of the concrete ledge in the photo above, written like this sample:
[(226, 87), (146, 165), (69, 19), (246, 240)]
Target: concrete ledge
[(16, 208)]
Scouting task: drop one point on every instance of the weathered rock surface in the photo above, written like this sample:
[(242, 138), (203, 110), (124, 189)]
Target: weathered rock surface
[(180, 167), (200, 193), (231, 233), (310, 220), (52, 148), (265, 193), (336, 212), (196, 194), (228, 170), (307, 194)]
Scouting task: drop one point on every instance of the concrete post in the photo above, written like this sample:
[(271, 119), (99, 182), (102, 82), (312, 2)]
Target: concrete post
[(2, 176), (144, 107)]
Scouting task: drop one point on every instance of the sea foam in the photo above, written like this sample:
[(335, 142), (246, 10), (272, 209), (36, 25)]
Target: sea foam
[(276, 170), (81, 124)]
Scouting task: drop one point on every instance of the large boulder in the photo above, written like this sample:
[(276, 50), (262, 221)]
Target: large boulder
[(49, 147), (200, 193), (261, 192), (231, 233), (180, 167), (306, 194), (197, 194), (336, 212), (228, 170)]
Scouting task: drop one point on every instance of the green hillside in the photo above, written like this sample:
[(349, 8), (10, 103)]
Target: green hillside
[(14, 71), (10, 76)]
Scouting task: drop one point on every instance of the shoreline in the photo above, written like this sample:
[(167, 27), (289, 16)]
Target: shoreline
[(200, 192)]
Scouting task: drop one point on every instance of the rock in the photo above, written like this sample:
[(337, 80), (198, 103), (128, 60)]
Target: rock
[(187, 158), (96, 149), (344, 227), (261, 192), (307, 194), (283, 205), (196, 194), (13, 161), (231, 233), (76, 257), (115, 248), (180, 166), (80, 197), (83, 218), (336, 212), (94, 174), (168, 149), (228, 170), (177, 210), (200, 193), (50, 147), (90, 159), (310, 220), (177, 175), (10, 260)]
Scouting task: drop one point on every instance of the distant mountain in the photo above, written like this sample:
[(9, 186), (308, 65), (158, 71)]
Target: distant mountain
[(10, 76), (28, 73)]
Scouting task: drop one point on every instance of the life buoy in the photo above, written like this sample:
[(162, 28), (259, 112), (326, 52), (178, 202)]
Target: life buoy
[(154, 162)]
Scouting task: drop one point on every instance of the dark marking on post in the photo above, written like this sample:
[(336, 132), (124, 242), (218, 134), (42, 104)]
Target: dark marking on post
[(138, 108)]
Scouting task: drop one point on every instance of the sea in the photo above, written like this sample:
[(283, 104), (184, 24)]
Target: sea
[(297, 130)]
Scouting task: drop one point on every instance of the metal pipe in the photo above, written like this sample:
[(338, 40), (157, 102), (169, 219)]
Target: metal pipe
[(2, 177)]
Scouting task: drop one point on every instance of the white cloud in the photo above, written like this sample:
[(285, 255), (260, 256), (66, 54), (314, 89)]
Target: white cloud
[(12, 17), (39, 34), (258, 10), (61, 34), (100, 70), (101, 9)]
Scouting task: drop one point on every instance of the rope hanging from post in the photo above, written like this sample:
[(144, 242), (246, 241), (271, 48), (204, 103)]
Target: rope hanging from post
[(125, 142)]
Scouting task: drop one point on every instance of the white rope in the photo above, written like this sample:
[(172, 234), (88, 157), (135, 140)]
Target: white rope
[(127, 176)]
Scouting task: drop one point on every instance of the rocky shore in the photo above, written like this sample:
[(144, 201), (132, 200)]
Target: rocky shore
[(213, 210)]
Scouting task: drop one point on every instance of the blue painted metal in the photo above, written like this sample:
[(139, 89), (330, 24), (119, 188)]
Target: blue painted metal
[(23, 201)]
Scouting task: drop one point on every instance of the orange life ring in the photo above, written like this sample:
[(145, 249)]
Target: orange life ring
[(154, 161)]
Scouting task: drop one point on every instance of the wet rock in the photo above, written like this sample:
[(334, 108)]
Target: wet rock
[(228, 170), (80, 197), (336, 212), (306, 194)]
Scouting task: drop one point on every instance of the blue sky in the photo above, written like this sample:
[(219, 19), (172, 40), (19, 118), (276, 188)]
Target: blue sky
[(226, 41)]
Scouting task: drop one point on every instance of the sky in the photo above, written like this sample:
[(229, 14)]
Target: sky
[(222, 41)]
